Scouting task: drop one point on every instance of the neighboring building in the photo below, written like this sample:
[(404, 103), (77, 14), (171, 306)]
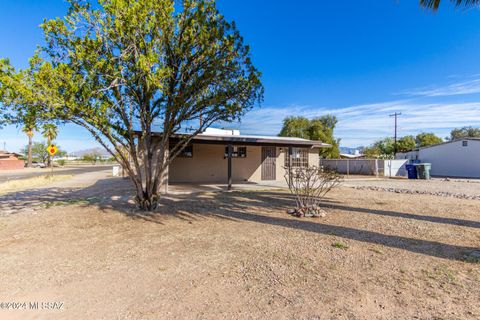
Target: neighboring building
[(68, 157), (10, 161), (253, 158), (456, 158), (99, 153)]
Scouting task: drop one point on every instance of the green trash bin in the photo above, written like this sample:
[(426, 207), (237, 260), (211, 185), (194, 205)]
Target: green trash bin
[(423, 170)]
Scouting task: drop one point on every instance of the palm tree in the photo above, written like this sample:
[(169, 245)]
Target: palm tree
[(434, 4), (28, 130), (50, 132)]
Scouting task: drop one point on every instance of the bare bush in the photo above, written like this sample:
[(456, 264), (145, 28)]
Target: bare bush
[(310, 185)]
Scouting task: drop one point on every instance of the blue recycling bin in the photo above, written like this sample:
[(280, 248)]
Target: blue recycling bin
[(412, 171)]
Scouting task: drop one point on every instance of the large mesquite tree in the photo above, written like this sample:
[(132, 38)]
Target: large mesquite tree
[(127, 70)]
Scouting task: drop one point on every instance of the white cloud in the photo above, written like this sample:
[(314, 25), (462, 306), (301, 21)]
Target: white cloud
[(459, 88), (358, 125), (363, 124)]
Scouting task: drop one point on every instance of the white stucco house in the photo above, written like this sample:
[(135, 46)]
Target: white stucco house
[(457, 158)]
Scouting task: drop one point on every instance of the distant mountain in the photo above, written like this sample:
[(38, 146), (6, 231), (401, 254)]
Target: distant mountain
[(98, 151)]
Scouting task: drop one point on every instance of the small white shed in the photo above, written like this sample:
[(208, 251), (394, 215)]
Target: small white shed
[(457, 158)]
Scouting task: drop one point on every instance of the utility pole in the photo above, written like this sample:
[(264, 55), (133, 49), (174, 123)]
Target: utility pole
[(396, 114)]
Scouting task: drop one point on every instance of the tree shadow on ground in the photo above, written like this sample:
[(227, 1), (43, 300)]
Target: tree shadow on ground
[(109, 191), (225, 205), (434, 219), (116, 194)]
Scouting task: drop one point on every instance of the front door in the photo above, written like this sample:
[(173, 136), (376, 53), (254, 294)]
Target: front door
[(269, 165)]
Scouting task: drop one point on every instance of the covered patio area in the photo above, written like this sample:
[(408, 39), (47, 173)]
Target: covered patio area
[(224, 157)]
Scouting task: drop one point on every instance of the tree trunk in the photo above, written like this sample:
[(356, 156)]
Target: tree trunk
[(154, 178), (49, 160), (148, 202), (147, 198), (29, 156)]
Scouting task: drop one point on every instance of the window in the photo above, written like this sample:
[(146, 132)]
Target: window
[(187, 152), (299, 157), (465, 143), (237, 152)]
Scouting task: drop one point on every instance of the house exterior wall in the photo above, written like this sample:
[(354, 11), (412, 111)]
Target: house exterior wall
[(453, 159), (209, 165), (11, 164)]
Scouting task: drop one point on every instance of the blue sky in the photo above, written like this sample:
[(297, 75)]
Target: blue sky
[(359, 60)]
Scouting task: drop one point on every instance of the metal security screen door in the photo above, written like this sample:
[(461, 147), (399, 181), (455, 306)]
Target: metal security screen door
[(269, 156)]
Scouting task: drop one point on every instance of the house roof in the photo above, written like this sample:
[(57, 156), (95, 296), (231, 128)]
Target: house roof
[(220, 136), (261, 140), (447, 142), (8, 154)]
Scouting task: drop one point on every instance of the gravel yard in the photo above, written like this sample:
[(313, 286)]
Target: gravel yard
[(238, 255), (460, 188)]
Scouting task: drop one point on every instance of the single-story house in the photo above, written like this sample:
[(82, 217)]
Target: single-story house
[(10, 161), (226, 156), (457, 158)]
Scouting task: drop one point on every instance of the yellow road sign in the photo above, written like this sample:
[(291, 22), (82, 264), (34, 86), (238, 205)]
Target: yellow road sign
[(52, 149)]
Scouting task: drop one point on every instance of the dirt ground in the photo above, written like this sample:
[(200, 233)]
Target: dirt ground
[(238, 255)]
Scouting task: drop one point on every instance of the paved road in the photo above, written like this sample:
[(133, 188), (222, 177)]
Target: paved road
[(30, 173), (87, 187)]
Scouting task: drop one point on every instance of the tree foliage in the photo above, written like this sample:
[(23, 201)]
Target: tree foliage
[(380, 149), (435, 4), (296, 127), (406, 144), (321, 128), (92, 157), (426, 139), (50, 132), (39, 151), (127, 70), (21, 97), (385, 148), (465, 132)]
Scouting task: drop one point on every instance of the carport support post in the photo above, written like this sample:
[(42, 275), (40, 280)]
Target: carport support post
[(229, 157), (290, 153)]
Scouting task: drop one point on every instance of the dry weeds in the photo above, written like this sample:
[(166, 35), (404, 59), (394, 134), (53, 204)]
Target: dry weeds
[(24, 184)]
